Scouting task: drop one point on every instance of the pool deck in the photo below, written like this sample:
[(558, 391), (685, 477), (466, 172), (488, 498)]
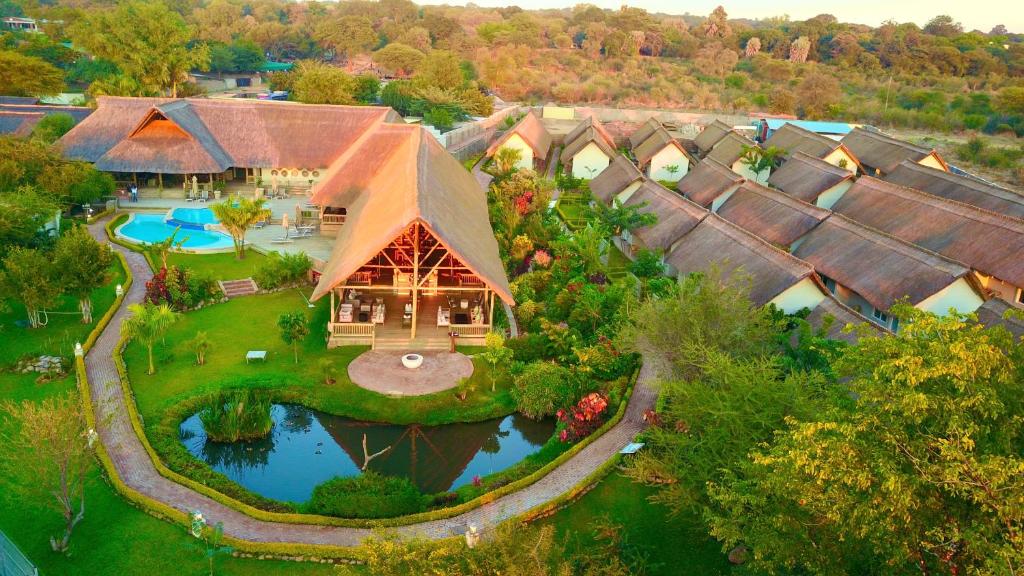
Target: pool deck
[(382, 372)]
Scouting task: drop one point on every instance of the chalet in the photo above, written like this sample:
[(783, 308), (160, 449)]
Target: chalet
[(870, 271), (588, 149), (770, 214), (792, 138), (994, 313), (777, 277), (812, 180), (991, 244), (709, 184), (958, 187), (879, 154), (730, 151), (620, 179), (20, 24), (644, 131), (416, 256), (676, 216), (661, 157), (710, 136), (530, 138)]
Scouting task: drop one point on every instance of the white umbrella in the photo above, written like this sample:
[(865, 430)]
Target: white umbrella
[(195, 187), (284, 224)]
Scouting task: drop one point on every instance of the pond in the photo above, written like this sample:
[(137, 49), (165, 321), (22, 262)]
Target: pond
[(306, 448)]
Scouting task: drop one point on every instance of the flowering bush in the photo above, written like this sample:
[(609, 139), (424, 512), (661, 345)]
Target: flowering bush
[(181, 288), (582, 419), (541, 259)]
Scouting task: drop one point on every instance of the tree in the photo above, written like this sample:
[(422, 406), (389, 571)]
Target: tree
[(619, 218), (22, 75), (799, 49), (817, 94), (23, 215), (1011, 100), (441, 69), (506, 158), (147, 324), (762, 160), (29, 277), (52, 126), (237, 215), (916, 470), (83, 264), (943, 25), (399, 59), (439, 118), (160, 250), (200, 344), (294, 328), (753, 47), (542, 388), (51, 459), (495, 354), (717, 24), (347, 35), (319, 83), (146, 40), (367, 87)]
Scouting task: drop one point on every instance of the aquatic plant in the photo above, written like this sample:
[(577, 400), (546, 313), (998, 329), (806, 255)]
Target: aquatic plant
[(237, 415)]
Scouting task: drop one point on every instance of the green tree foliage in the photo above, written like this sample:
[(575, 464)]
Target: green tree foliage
[(542, 388), (399, 59), (147, 41), (237, 215), (439, 118), (618, 218), (147, 324), (496, 354), (23, 213), (83, 264), (22, 75), (347, 36), (367, 89), (29, 277), (294, 329), (52, 126), (239, 56), (320, 83)]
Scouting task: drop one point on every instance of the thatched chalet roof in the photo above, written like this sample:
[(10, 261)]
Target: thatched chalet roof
[(717, 241), (992, 313), (619, 174), (706, 181), (959, 188), (806, 177), (988, 242), (584, 138), (876, 151), (590, 123), (840, 316), (400, 175), (19, 123), (197, 135), (793, 139), (532, 131), (676, 215), (770, 214), (731, 148), (880, 268), (655, 143), (710, 135), (644, 131)]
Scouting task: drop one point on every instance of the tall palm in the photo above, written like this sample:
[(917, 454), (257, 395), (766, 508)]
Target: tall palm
[(147, 324), (237, 215)]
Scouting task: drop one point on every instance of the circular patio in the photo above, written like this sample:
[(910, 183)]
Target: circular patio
[(382, 371)]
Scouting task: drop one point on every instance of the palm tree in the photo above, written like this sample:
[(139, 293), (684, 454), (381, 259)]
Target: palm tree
[(237, 215), (162, 248), (506, 158), (148, 323)]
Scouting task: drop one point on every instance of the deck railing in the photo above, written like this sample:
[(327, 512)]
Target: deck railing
[(332, 219), (472, 330), (352, 332)]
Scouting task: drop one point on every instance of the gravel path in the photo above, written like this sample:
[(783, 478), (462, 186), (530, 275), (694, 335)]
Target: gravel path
[(137, 470)]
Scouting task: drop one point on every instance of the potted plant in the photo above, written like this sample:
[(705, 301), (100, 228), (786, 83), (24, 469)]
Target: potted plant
[(218, 187)]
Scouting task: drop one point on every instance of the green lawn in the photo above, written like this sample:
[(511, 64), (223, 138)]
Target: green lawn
[(223, 266), (671, 545), (114, 537)]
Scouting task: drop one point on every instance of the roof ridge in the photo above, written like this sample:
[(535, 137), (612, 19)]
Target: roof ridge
[(747, 238), (783, 198), (879, 135), (905, 248), (810, 134), (946, 204), (966, 180), (818, 163)]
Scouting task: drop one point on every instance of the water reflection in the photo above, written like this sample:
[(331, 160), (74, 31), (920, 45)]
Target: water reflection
[(306, 448)]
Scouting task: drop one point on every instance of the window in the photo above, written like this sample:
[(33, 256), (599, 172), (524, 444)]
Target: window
[(829, 283), (880, 316), (1020, 295)]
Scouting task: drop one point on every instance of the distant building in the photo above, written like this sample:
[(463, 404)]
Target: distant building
[(530, 138), (20, 24), (880, 154), (766, 127)]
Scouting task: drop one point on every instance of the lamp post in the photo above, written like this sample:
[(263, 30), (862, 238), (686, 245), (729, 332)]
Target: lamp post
[(472, 535), (452, 336), (79, 351), (119, 291)]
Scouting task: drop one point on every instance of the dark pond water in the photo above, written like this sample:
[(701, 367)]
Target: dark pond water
[(307, 447)]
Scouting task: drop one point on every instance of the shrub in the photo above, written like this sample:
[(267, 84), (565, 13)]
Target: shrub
[(237, 415), (282, 270), (529, 347), (542, 388), (181, 288), (584, 418), (369, 495)]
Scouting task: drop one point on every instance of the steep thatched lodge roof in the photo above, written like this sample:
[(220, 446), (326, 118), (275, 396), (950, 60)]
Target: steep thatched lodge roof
[(706, 181), (770, 214), (876, 151), (532, 131), (619, 174), (644, 131), (993, 313), (731, 148), (957, 187), (676, 215), (805, 177), (654, 144), (710, 136)]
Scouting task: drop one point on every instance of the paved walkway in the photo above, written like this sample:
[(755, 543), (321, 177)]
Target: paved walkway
[(482, 178), (137, 470), (382, 371)]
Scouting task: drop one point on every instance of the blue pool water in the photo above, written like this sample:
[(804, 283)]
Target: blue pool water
[(150, 228), (192, 218)]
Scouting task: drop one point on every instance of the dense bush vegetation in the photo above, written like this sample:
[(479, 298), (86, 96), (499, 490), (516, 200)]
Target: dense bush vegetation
[(281, 270), (237, 415), (369, 495), (182, 288)]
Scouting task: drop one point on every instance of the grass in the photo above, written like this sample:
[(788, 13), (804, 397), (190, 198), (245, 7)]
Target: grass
[(668, 543), (223, 266), (114, 537), (573, 210), (618, 263)]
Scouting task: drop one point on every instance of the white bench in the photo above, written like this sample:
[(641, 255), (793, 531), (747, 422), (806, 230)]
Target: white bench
[(255, 355)]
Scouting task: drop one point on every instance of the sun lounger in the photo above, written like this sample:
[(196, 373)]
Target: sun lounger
[(281, 240)]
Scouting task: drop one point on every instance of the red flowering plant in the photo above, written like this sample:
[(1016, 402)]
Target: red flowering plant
[(584, 418), (541, 258)]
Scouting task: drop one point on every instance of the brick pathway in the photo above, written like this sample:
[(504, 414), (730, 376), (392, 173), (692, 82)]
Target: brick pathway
[(136, 470)]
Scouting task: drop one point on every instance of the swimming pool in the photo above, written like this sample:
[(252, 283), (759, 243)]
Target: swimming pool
[(150, 228), (192, 218)]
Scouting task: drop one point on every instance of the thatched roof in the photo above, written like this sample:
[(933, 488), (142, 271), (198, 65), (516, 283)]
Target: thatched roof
[(400, 175), (841, 316), (988, 242), (875, 150), (806, 177), (655, 143), (619, 174), (992, 313), (770, 214), (19, 123), (588, 123), (706, 181), (644, 132), (793, 139), (957, 187), (710, 135), (19, 116), (532, 131), (676, 215), (730, 148), (717, 241), (193, 135), (880, 268), (577, 144)]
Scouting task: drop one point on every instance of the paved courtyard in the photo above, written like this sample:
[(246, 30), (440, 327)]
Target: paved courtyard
[(382, 371)]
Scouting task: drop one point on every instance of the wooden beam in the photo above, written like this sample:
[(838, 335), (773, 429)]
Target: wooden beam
[(415, 275)]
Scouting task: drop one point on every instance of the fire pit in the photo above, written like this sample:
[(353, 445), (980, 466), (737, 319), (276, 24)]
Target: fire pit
[(412, 361)]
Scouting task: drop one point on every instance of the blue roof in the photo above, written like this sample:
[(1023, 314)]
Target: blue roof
[(812, 125)]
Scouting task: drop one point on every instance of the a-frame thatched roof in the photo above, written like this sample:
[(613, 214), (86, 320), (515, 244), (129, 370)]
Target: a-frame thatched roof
[(532, 131)]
